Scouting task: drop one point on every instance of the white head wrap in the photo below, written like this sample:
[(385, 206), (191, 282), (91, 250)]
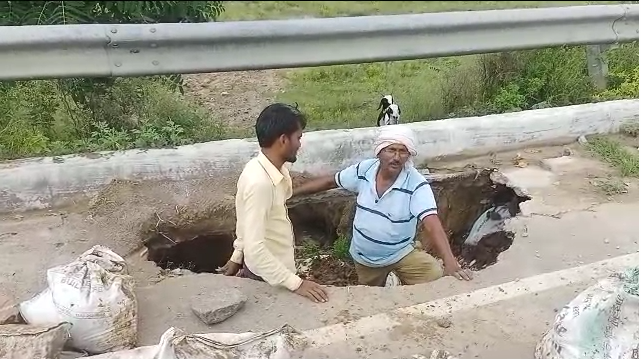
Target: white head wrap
[(396, 134)]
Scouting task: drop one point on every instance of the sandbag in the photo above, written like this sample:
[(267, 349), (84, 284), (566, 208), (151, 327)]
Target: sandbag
[(95, 294), (601, 322), (176, 344), (21, 341)]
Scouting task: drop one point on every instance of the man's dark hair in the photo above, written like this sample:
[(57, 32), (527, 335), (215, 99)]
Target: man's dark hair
[(276, 120)]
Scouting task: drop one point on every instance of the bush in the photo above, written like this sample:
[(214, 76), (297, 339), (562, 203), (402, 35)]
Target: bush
[(42, 117), (346, 96), (74, 115), (515, 81)]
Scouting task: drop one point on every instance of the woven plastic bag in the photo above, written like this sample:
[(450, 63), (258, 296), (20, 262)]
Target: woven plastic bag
[(95, 294), (600, 323), (176, 344)]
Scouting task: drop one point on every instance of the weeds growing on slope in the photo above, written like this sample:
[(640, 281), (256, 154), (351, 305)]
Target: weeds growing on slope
[(42, 118), (616, 155)]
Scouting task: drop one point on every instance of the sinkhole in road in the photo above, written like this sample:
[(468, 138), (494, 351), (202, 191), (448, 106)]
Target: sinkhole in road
[(473, 207)]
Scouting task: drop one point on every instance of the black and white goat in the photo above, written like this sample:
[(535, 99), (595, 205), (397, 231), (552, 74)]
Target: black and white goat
[(390, 112)]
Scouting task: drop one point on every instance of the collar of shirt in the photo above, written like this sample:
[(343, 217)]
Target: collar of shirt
[(276, 175), (370, 175)]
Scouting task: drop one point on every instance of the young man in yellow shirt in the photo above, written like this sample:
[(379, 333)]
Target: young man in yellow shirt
[(264, 245)]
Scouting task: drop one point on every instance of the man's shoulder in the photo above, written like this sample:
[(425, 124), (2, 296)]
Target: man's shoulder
[(253, 174), (415, 180), (364, 165)]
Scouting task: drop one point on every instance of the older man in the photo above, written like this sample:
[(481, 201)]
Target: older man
[(392, 198)]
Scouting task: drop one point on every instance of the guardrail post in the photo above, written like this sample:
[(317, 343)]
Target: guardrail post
[(598, 66)]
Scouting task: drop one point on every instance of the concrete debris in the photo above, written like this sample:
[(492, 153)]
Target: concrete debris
[(214, 308), (9, 311), (435, 354), (582, 140), (444, 322), (32, 341), (175, 272), (567, 151), (519, 161)]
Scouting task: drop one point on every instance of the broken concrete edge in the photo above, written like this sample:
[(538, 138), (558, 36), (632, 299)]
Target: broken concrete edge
[(42, 183), (321, 337)]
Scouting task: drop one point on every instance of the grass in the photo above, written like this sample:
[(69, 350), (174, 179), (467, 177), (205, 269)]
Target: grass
[(260, 10), (616, 155), (611, 186), (346, 96)]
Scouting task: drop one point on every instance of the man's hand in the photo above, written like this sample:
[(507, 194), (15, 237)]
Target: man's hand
[(230, 268), (312, 291), (453, 269)]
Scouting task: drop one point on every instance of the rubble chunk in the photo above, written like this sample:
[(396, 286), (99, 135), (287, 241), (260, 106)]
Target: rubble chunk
[(216, 307), (9, 311)]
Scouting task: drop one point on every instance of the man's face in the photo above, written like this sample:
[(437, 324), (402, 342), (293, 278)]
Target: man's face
[(393, 158), (292, 145)]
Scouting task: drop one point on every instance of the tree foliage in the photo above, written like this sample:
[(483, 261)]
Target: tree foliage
[(88, 93), (18, 13), (97, 113)]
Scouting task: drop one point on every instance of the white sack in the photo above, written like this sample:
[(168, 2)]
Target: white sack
[(601, 322), (95, 294), (176, 344)]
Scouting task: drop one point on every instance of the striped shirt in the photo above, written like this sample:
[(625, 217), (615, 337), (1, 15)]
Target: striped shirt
[(384, 227)]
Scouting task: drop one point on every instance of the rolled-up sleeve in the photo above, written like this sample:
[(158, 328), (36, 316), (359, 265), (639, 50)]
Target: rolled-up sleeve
[(348, 178), (237, 255), (422, 202), (258, 200)]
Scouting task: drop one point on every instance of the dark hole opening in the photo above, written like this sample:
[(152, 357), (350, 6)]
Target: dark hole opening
[(204, 253)]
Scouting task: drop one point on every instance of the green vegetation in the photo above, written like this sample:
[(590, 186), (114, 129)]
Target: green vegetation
[(310, 249), (615, 154), (347, 95), (56, 117), (259, 10), (76, 115), (340, 248), (611, 186)]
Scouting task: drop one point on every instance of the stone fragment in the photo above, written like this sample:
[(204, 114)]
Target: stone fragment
[(444, 322), (9, 311), (218, 306), (582, 140)]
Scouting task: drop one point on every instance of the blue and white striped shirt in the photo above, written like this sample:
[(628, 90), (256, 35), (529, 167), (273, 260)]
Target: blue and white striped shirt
[(384, 228)]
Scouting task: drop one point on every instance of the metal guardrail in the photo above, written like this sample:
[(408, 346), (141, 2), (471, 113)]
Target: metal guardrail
[(38, 52)]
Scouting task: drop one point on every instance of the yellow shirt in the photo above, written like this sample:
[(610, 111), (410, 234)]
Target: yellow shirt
[(264, 233)]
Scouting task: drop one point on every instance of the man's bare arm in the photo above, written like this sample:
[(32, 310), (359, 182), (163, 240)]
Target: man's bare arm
[(435, 231), (316, 185)]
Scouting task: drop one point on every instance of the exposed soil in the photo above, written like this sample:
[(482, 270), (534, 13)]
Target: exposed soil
[(236, 98), (329, 270)]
